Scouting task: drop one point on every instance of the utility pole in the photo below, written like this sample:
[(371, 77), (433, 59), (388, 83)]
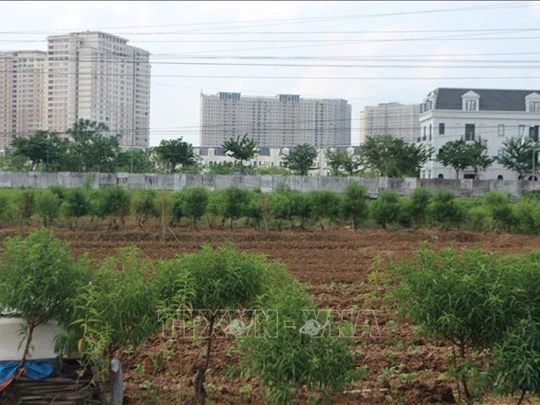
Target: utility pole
[(133, 121)]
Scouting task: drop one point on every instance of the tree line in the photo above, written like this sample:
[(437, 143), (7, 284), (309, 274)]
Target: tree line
[(88, 147), (232, 207)]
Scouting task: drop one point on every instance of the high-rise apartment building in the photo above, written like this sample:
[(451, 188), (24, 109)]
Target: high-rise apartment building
[(97, 76), (282, 121), (23, 88), (399, 120)]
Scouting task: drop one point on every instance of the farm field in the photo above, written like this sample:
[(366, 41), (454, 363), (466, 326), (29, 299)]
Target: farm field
[(344, 271)]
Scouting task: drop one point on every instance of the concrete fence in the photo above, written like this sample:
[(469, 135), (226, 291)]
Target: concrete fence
[(267, 184)]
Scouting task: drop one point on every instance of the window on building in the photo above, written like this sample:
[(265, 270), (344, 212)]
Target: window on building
[(521, 130), (470, 105), (533, 133), (441, 128), (430, 131), (534, 106), (469, 132), (500, 129), (424, 134)]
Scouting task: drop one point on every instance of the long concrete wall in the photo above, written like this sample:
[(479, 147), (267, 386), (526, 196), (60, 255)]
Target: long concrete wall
[(267, 184)]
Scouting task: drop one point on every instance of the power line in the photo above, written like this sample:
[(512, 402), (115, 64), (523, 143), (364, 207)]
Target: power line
[(300, 20)]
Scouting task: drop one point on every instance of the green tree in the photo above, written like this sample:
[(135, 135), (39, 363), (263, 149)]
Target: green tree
[(113, 202), (194, 201), (454, 154), (462, 297), (139, 160), (478, 155), (420, 199), (389, 156), (43, 149), (47, 206), (517, 155), (240, 149), (324, 204), (233, 203), (39, 279), (92, 149), (300, 159), (285, 359), (77, 204), (224, 280), (445, 211), (116, 309), (145, 206), (175, 154), (385, 209), (354, 206), (340, 161)]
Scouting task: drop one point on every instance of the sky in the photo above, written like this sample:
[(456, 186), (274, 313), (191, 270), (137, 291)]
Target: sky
[(364, 52)]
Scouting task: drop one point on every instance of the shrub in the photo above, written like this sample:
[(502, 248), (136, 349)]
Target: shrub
[(419, 201), (193, 203), (385, 209), (25, 206), (7, 210), (354, 206), (444, 211), (113, 202), (498, 204), (285, 359), (525, 213), (176, 212), (39, 279), (233, 201), (324, 205), (47, 206), (480, 219), (405, 213), (464, 298), (223, 279), (145, 206), (77, 204)]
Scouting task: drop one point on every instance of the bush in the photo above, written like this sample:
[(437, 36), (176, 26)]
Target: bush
[(193, 203), (405, 213), (285, 359), (47, 206), (39, 279), (480, 219), (444, 211), (465, 298), (25, 206), (113, 202), (498, 204), (385, 209), (353, 205), (526, 216), (145, 206), (233, 202), (77, 204), (419, 202), (7, 210), (324, 205)]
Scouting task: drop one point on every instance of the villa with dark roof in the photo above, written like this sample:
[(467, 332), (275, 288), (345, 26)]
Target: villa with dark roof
[(449, 114)]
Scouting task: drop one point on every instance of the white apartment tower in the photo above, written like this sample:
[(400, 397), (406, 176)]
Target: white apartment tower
[(285, 120), (23, 88), (399, 120), (97, 76)]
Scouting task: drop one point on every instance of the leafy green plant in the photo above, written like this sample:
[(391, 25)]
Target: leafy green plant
[(385, 209), (233, 201), (285, 358), (144, 206), (39, 279), (113, 202), (47, 206), (116, 309), (25, 206), (324, 204), (463, 297), (193, 203), (353, 205), (498, 204), (420, 199), (444, 210), (77, 204)]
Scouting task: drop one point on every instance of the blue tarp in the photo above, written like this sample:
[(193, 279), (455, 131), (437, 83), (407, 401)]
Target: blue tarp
[(34, 369)]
